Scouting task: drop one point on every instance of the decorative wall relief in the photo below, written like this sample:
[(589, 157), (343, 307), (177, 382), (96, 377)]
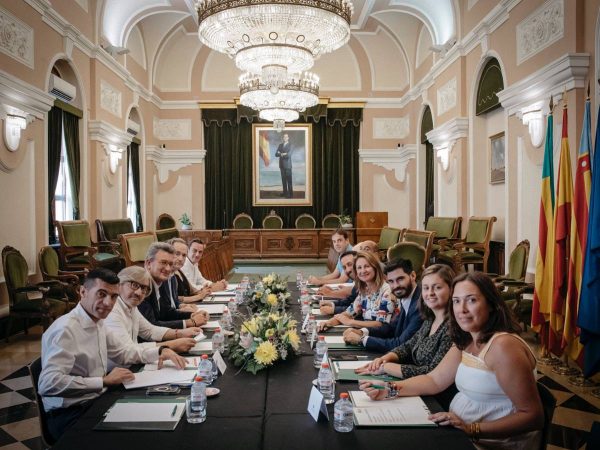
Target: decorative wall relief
[(16, 38), (172, 129), (391, 128), (110, 98), (446, 97), (543, 27)]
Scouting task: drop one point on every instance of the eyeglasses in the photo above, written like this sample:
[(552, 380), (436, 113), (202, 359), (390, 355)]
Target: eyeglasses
[(135, 286)]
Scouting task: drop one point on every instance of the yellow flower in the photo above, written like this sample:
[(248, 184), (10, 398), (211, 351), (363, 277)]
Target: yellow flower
[(258, 294), (270, 332), (274, 317), (294, 339), (272, 299), (251, 326), (292, 323), (268, 279), (265, 354)]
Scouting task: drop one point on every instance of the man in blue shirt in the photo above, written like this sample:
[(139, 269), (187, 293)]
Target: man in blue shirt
[(341, 244), (339, 306)]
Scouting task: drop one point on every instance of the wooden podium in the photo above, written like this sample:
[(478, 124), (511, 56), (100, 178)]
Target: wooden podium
[(369, 224)]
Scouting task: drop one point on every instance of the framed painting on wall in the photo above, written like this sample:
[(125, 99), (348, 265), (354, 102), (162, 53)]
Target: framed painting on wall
[(497, 159), (282, 165)]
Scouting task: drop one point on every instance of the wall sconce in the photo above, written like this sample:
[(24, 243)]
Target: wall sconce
[(13, 124), (535, 121), (443, 153)]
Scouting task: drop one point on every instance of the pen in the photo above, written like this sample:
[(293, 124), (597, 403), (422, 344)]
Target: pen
[(374, 386), (174, 411)]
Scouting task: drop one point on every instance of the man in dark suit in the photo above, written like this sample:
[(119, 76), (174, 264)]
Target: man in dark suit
[(160, 307), (284, 153), (406, 319)]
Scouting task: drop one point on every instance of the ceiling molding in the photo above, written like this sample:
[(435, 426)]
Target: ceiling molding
[(395, 159), (24, 96), (167, 161)]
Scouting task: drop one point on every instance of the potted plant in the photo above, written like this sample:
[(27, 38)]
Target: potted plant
[(186, 222), (345, 220)]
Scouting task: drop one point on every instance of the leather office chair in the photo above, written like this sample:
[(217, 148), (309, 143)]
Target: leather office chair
[(242, 222), (35, 369), (165, 221), (331, 221), (26, 300), (272, 221), (411, 251), (305, 221)]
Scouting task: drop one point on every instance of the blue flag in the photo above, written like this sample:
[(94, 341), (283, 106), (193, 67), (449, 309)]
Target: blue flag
[(588, 319)]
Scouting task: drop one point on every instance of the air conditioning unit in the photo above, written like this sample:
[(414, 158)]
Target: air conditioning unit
[(133, 127), (62, 89)]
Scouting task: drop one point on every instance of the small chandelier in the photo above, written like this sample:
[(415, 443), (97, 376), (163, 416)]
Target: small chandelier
[(279, 104)]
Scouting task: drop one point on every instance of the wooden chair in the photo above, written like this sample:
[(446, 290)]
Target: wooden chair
[(165, 221), (78, 251), (331, 221), (135, 246), (423, 238), (473, 249), (409, 250), (306, 221), (35, 369), (26, 300), (445, 228), (49, 266), (165, 234), (272, 221), (110, 230), (389, 236), (243, 221)]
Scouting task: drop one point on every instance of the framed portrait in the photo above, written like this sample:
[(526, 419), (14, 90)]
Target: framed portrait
[(282, 165), (497, 159)]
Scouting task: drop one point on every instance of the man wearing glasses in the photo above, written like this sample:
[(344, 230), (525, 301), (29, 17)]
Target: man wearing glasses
[(127, 323)]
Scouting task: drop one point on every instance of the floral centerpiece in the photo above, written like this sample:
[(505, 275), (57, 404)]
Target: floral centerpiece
[(264, 339), (270, 294)]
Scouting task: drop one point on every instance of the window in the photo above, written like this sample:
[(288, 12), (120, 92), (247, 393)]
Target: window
[(132, 212), (63, 197)]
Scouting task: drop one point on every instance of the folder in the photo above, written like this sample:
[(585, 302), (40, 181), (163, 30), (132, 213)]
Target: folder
[(146, 414)]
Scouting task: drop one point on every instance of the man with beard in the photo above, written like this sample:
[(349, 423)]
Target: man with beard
[(406, 319), (341, 244), (339, 306)]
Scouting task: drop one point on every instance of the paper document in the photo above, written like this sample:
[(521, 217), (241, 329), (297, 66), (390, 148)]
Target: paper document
[(334, 339), (227, 293), (163, 376), (200, 347), (402, 411), (316, 312), (212, 300), (350, 365), (190, 363), (145, 412), (212, 309), (211, 324)]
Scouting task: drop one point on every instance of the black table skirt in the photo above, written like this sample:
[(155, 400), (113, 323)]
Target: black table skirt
[(262, 411)]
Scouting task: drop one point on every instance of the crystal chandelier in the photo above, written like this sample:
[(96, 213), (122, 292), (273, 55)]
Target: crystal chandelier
[(272, 41)]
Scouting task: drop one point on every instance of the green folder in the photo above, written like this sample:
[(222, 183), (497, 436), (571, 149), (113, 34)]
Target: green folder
[(350, 375), (344, 347)]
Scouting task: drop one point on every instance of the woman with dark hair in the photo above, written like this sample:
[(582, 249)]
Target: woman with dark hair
[(372, 306), (498, 404), (428, 346)]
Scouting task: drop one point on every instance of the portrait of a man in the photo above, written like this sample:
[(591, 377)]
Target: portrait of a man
[(284, 153)]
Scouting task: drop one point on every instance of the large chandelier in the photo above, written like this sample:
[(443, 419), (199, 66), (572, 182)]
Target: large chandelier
[(272, 42)]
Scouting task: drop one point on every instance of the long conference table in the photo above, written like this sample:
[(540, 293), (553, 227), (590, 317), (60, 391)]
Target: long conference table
[(263, 411)]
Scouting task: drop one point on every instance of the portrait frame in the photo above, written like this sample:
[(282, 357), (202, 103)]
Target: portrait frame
[(267, 173), (497, 159)]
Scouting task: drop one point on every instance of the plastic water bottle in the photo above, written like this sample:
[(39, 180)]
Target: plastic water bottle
[(218, 341), (232, 306), (310, 326), (215, 369), (298, 279), (225, 319), (196, 413), (320, 350), (326, 384), (305, 309), (239, 296), (343, 420), (205, 370)]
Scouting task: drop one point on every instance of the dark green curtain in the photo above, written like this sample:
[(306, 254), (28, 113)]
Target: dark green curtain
[(228, 141), (133, 156), (426, 127), (54, 145), (71, 128)]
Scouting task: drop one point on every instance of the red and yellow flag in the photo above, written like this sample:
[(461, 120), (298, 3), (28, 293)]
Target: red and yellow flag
[(562, 234), (263, 147), (579, 230), (544, 265)]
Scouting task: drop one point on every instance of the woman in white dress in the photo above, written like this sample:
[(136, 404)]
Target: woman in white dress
[(498, 403)]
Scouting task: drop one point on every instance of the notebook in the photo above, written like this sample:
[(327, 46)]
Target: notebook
[(401, 411), (147, 414)]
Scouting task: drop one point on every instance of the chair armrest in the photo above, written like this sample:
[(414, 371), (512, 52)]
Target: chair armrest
[(448, 243), (29, 288), (108, 246), (69, 278), (471, 245), (81, 249)]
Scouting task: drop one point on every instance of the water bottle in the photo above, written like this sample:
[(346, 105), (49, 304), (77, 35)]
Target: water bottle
[(232, 306), (205, 370), (320, 350), (239, 296), (298, 279), (310, 326), (215, 369), (225, 319), (196, 412), (342, 414), (218, 341), (305, 309), (326, 386)]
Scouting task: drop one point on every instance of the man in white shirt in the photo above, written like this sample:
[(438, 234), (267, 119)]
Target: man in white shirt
[(192, 272), (127, 323), (75, 353)]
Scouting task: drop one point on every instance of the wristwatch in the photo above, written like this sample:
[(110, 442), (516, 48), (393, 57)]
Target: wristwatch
[(392, 391), (161, 348)]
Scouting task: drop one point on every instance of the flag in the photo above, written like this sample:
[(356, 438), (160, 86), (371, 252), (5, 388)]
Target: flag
[(544, 266), (562, 234), (263, 147), (588, 318), (579, 230)]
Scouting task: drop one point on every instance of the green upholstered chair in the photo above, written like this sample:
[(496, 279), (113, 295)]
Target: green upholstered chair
[(165, 221), (445, 228), (49, 266), (389, 236), (272, 221), (135, 246), (243, 222), (306, 221), (78, 251), (409, 250), (110, 230), (423, 238), (331, 221), (166, 234), (26, 300), (473, 249)]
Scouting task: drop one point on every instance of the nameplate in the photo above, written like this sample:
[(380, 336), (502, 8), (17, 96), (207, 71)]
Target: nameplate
[(316, 405), (217, 358)]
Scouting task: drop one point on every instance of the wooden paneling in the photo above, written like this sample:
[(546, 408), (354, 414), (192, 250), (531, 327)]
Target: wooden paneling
[(371, 219), (205, 235)]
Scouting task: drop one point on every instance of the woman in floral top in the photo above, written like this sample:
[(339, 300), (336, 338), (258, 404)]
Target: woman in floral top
[(373, 305), (423, 352)]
